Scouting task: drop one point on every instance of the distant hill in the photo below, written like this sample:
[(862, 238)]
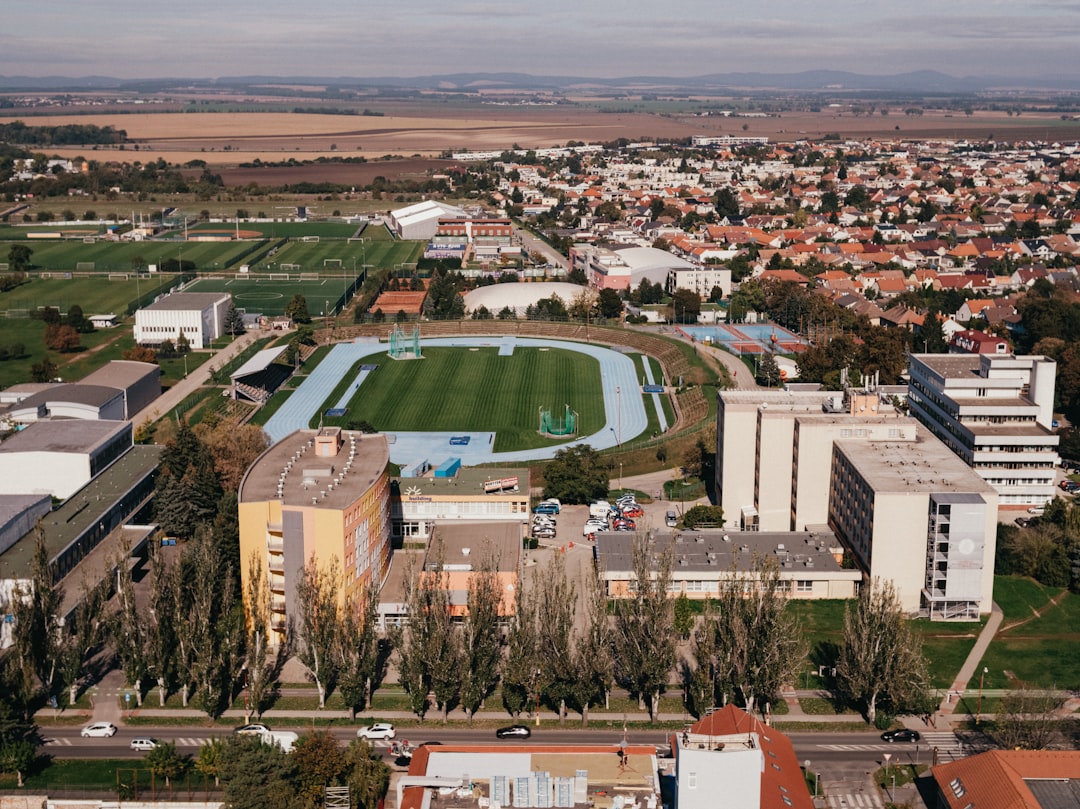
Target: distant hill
[(810, 81)]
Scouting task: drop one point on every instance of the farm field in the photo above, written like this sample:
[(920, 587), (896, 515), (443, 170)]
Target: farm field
[(476, 390)]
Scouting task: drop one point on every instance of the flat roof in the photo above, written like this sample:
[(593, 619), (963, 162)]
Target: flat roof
[(187, 301), (308, 476), (468, 481), (121, 373), (259, 362), (64, 435), (922, 465), (468, 543), (64, 525), (784, 400), (12, 505), (719, 552)]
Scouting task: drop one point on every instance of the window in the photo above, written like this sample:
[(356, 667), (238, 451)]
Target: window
[(691, 780), (804, 586)]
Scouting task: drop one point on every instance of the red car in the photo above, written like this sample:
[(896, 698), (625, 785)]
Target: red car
[(633, 512)]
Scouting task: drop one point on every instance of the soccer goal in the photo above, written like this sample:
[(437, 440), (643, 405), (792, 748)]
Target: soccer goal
[(310, 239), (289, 267), (85, 266), (88, 240), (309, 276), (277, 276), (331, 262), (118, 276)]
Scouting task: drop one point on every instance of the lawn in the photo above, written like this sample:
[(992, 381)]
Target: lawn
[(475, 390), (1039, 640), (95, 294), (946, 647), (107, 256), (254, 294), (311, 256), (277, 230)]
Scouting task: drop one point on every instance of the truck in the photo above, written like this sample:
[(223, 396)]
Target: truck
[(285, 739)]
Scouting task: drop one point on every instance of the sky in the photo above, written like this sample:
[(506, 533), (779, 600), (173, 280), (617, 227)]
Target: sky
[(590, 38)]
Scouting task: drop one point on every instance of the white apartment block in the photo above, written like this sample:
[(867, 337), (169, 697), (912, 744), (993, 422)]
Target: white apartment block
[(996, 413), (904, 507), (912, 513), (700, 279), (199, 316)]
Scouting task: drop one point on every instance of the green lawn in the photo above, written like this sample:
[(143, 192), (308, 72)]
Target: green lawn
[(254, 294), (277, 230), (476, 390), (1039, 641), (107, 256), (946, 647), (95, 294)]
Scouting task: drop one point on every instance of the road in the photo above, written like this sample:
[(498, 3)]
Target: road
[(535, 245)]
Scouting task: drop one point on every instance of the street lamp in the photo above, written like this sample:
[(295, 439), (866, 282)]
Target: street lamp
[(978, 710), (618, 398)]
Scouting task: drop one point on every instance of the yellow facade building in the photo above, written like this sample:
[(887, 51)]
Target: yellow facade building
[(322, 494)]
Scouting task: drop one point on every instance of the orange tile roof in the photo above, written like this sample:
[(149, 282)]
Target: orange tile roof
[(995, 779)]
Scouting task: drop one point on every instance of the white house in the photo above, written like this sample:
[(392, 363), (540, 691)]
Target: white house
[(199, 316)]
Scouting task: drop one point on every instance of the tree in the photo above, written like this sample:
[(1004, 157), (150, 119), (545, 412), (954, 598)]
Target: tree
[(521, 666), (164, 762), (768, 372), (18, 259), (188, 489), (358, 650), (318, 622), (78, 321), (433, 643), (36, 626), (82, 635), (139, 354), (208, 761), (62, 338), (558, 669), (685, 306), (183, 344), (256, 775), (259, 665), (368, 775), (319, 763), (481, 640), (758, 643), (703, 679), (234, 321), (1028, 719), (683, 616), (644, 631), (44, 371), (881, 662), (232, 448), (297, 309), (17, 757), (609, 303), (726, 203), (576, 475), (594, 662), (128, 633)]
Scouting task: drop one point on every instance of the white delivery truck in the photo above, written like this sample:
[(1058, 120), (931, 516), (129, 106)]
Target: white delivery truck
[(601, 509), (285, 739)]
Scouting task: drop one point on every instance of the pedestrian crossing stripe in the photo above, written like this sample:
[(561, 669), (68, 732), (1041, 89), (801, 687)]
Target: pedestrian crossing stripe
[(61, 742), (855, 801)]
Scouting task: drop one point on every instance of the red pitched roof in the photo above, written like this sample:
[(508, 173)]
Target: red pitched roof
[(995, 779)]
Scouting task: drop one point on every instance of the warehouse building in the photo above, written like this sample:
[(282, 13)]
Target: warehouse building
[(199, 316)]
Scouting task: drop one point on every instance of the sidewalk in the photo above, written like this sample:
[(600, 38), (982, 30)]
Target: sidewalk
[(971, 665)]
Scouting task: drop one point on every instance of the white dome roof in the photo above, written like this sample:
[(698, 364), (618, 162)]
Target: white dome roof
[(519, 296)]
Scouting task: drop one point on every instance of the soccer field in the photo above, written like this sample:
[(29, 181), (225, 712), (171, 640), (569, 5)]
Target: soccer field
[(475, 389), (254, 294)]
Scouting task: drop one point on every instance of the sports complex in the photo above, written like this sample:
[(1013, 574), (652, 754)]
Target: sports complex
[(339, 383)]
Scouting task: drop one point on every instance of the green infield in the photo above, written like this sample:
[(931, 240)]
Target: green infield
[(254, 294), (277, 230), (339, 255), (475, 390)]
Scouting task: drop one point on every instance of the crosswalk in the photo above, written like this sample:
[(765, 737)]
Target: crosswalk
[(858, 800), (184, 741)]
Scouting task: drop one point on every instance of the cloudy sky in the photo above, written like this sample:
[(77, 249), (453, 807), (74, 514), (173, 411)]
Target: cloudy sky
[(601, 38)]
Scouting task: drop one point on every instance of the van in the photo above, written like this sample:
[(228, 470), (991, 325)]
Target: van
[(670, 519), (600, 509), (546, 508)]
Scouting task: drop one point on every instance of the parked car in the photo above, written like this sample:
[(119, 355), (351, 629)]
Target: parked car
[(254, 729), (101, 729), (634, 512), (543, 533), (544, 519), (380, 730), (901, 735), (143, 743), (554, 500), (624, 525), (671, 519), (1038, 511), (513, 732), (546, 508)]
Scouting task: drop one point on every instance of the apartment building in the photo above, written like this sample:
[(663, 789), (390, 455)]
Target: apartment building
[(316, 494), (996, 413)]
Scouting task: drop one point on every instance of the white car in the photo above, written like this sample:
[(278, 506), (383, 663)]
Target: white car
[(105, 729), (143, 743), (593, 528), (380, 730)]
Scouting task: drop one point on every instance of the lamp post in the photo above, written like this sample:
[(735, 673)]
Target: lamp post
[(620, 475), (978, 710), (618, 398)]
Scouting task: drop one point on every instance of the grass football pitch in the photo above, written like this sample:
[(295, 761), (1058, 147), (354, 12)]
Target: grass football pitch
[(476, 390), (254, 294)]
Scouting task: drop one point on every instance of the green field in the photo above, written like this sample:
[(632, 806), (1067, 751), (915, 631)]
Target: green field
[(277, 230), (476, 390), (97, 295), (67, 254), (311, 256), (271, 297)]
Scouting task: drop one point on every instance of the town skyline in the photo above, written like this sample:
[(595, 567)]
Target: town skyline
[(1034, 41)]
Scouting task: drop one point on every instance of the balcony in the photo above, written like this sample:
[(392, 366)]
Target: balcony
[(274, 544), (277, 604), (276, 564)]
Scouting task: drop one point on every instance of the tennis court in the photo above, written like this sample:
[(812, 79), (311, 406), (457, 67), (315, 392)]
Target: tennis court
[(747, 338)]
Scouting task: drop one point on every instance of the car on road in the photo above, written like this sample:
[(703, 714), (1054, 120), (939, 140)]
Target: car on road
[(513, 732), (102, 729), (143, 743), (254, 729), (380, 730), (901, 735)]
